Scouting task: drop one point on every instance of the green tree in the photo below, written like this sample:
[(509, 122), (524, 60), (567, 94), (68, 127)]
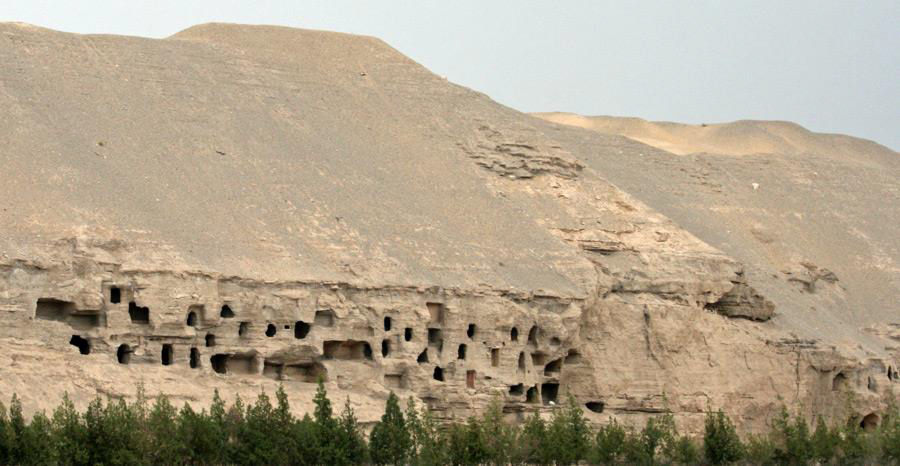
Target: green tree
[(70, 435), (825, 442), (351, 441), (795, 445), (199, 439), (7, 437), (721, 444), (233, 423), (466, 443), (258, 434), (162, 425), (390, 440), (609, 443), (568, 434), (889, 434), (500, 437), (759, 450), (533, 448), (428, 448), (658, 435), (303, 442), (17, 449)]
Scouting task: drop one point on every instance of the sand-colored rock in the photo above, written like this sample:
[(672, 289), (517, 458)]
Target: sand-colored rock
[(236, 207)]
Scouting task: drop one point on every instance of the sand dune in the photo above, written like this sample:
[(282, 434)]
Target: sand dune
[(743, 137)]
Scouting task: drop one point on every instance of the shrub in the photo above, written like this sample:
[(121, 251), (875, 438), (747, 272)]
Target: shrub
[(889, 434), (390, 439), (466, 443), (794, 444), (721, 444), (533, 445), (427, 445), (568, 435), (609, 443)]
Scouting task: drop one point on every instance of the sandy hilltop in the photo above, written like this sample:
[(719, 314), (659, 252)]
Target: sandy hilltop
[(237, 207)]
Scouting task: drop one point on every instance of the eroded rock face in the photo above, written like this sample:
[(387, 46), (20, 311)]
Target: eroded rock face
[(320, 206)]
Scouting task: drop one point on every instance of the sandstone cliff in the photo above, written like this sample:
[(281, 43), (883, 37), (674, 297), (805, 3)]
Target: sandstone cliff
[(236, 207)]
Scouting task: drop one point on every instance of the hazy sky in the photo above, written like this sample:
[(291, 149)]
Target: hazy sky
[(830, 65)]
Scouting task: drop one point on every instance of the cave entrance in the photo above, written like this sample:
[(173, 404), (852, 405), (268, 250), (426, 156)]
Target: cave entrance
[(595, 406), (349, 350), (301, 329), (115, 295), (167, 354), (869, 422), (549, 392), (83, 345), (195, 358), (219, 363), (324, 318), (123, 354), (436, 312), (271, 330), (226, 312), (138, 314)]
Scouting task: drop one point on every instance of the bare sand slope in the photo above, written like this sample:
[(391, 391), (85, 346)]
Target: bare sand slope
[(745, 137), (814, 217)]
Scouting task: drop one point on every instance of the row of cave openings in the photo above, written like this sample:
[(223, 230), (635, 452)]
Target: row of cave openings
[(52, 309), (841, 383)]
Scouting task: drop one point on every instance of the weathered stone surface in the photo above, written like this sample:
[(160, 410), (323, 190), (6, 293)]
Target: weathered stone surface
[(237, 207)]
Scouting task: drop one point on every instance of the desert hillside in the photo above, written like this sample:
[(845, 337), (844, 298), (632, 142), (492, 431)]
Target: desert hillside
[(238, 207), (746, 137)]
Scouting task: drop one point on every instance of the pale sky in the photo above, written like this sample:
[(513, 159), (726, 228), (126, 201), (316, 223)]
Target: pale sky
[(830, 65)]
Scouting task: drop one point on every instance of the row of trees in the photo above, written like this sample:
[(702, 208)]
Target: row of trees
[(117, 432)]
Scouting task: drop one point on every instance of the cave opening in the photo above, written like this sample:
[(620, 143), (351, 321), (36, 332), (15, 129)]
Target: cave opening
[(195, 358), (324, 318), (595, 406), (226, 312), (219, 363), (461, 351), (83, 345), (123, 354), (167, 354), (115, 295), (549, 392), (138, 314), (271, 330), (301, 329)]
